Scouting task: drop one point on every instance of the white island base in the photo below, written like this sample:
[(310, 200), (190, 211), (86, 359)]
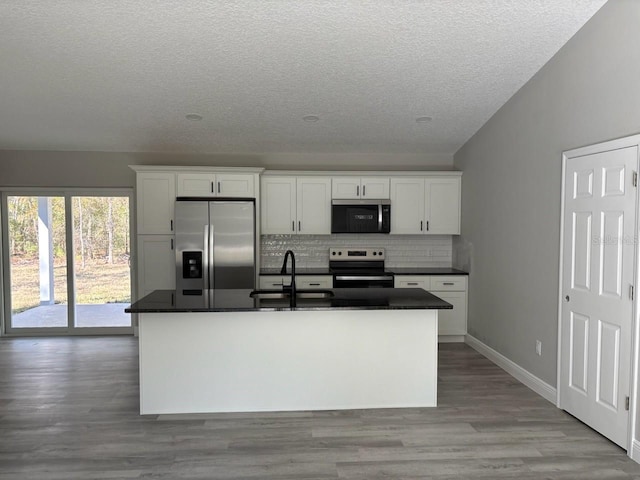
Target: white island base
[(287, 360)]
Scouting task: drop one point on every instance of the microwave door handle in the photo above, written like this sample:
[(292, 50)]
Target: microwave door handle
[(379, 217)]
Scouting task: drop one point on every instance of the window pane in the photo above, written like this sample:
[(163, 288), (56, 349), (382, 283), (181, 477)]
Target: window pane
[(101, 260), (37, 250)]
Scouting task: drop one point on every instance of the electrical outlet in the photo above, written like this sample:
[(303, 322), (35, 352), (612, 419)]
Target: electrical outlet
[(538, 347)]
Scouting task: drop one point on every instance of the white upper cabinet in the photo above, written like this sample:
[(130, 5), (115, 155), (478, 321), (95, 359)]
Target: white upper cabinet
[(347, 188), (196, 184), (296, 205), (425, 205), (407, 205), (155, 199), (278, 205), (442, 205), (215, 185), (235, 185), (314, 205), (374, 187)]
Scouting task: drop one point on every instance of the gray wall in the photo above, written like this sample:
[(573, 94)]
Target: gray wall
[(104, 169), (588, 93)]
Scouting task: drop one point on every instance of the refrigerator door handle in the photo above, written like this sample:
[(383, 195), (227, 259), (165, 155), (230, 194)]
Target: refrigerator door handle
[(210, 259), (205, 259)]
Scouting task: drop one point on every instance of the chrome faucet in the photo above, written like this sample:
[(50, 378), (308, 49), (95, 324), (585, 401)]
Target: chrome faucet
[(291, 288)]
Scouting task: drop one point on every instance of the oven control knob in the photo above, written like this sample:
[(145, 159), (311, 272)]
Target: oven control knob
[(339, 253), (333, 253), (379, 253)]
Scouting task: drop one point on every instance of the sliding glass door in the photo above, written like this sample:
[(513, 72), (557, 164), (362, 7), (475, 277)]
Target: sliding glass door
[(101, 261), (37, 262), (68, 257)]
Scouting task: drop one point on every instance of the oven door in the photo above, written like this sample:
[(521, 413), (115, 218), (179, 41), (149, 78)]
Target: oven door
[(362, 281)]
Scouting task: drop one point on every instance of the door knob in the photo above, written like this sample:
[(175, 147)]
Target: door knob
[(567, 298)]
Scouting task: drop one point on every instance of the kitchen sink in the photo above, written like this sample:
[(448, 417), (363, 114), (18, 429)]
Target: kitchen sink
[(279, 294)]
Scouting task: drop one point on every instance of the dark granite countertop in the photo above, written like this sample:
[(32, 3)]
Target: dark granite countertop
[(299, 271), (425, 271), (395, 271), (168, 301)]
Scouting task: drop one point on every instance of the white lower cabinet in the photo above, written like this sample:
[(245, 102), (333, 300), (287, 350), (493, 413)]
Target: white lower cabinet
[(453, 322), (450, 288), (303, 282), (156, 264)]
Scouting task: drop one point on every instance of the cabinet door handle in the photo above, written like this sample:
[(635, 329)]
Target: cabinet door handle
[(171, 223), (293, 225), (212, 190), (299, 226), (172, 244), (427, 225), (218, 187), (412, 283), (276, 284), (421, 222), (314, 284), (448, 283), (358, 191), (363, 189)]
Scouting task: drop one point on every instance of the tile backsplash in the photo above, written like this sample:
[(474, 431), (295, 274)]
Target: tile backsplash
[(401, 250)]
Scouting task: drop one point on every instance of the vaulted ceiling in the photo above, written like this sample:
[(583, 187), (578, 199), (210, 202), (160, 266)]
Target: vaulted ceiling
[(388, 76)]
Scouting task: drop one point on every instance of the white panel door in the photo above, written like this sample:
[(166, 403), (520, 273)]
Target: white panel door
[(597, 275), (278, 205), (314, 206)]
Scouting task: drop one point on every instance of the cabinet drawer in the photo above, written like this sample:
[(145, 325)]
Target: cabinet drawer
[(314, 281), (452, 283), (271, 282), (417, 281)]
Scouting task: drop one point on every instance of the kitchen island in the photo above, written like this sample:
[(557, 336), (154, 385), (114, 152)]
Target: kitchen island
[(225, 351)]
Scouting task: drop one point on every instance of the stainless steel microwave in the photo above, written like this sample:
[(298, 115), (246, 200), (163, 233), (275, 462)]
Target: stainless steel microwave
[(360, 216)]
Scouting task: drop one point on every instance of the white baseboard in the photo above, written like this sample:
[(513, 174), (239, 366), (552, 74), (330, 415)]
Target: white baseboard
[(539, 386), (634, 451)]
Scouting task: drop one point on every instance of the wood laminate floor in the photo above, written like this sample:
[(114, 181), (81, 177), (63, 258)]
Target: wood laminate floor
[(69, 410)]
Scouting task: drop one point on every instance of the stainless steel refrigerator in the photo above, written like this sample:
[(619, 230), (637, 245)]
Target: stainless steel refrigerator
[(215, 244)]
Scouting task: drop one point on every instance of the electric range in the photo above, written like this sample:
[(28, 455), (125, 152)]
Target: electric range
[(359, 268)]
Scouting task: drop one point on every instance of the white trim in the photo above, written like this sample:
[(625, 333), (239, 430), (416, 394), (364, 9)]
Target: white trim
[(539, 386), (618, 143), (67, 193), (634, 451), (366, 173), (194, 169)]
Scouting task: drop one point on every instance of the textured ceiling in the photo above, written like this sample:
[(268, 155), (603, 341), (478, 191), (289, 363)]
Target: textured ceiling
[(114, 75)]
